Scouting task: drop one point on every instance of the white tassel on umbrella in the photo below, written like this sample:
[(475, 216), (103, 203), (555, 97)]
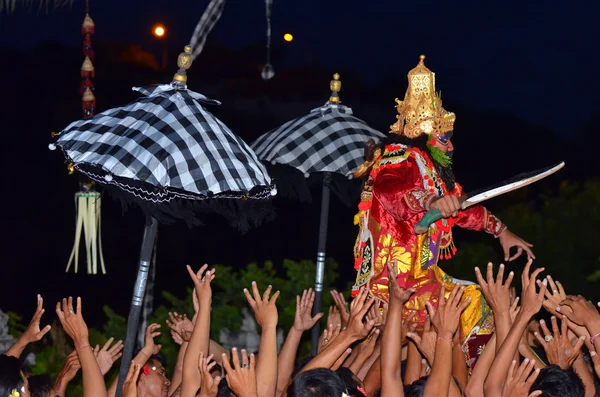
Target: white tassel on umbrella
[(87, 206)]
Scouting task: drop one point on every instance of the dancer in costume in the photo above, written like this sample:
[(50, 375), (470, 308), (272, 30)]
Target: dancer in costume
[(408, 175)]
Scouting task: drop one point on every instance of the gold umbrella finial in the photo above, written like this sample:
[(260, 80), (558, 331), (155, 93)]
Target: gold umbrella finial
[(184, 61), (335, 85)]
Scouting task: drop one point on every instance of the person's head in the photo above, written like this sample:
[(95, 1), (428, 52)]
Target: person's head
[(12, 380), (318, 382), (554, 382), (353, 385), (40, 385), (153, 381), (224, 390), (416, 388)]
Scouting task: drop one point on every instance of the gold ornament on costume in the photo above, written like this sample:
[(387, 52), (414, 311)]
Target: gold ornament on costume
[(335, 86), (184, 61), (421, 112)]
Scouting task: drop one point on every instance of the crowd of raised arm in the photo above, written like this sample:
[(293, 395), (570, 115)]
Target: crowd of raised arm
[(365, 349)]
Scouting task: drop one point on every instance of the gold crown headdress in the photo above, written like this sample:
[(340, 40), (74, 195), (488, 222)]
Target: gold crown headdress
[(421, 112)]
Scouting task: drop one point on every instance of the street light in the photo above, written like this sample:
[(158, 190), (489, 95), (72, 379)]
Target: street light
[(159, 31), (288, 37)]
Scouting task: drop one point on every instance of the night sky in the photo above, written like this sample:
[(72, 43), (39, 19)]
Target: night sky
[(536, 59), (533, 60)]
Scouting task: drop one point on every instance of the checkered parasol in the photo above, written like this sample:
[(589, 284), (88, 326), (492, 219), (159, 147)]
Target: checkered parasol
[(164, 151), (328, 139), (163, 146)]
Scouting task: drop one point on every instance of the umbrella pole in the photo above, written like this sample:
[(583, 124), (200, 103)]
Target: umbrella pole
[(321, 259), (148, 305), (138, 297)]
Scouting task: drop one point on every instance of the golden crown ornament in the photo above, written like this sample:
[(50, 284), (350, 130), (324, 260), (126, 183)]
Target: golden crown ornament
[(421, 112)]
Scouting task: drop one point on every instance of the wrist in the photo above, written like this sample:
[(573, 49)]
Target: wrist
[(81, 342), (444, 334)]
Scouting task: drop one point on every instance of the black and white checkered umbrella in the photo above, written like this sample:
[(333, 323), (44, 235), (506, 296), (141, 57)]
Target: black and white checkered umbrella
[(329, 140), (164, 146), (163, 152)]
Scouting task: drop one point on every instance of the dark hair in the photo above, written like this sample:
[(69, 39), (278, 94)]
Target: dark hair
[(416, 388), (554, 382), (40, 385), (224, 390), (421, 143), (350, 383), (10, 375), (318, 382)]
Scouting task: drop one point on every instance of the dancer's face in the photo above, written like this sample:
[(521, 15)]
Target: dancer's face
[(444, 143)]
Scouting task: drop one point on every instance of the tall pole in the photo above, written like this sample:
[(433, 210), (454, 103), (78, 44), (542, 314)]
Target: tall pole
[(138, 297), (320, 272)]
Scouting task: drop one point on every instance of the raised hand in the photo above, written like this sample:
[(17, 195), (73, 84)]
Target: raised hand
[(531, 300), (264, 307), (447, 317), (425, 342), (130, 384), (579, 310), (33, 333), (72, 320), (398, 295), (241, 378), (334, 318), (342, 306), (107, 356), (209, 385), (405, 326), (358, 309), (557, 345), (378, 315), (519, 380), (303, 320), (202, 283), (328, 336), (70, 368), (149, 344), (180, 325), (496, 292)]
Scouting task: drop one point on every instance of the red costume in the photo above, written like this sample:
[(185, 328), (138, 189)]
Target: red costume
[(402, 181)]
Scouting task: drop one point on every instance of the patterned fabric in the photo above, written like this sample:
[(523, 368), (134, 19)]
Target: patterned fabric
[(395, 198), (328, 139), (163, 146), (208, 21)]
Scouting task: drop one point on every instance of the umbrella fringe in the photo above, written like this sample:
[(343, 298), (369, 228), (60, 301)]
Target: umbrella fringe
[(241, 214), (292, 185)]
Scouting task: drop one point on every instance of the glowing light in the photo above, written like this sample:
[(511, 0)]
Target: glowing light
[(159, 31), (288, 37)]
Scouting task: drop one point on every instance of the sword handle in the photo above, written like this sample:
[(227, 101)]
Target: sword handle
[(434, 216), (429, 218)]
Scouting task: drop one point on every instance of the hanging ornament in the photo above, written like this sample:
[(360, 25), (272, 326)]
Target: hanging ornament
[(87, 68), (87, 206), (88, 103), (268, 72), (87, 199)]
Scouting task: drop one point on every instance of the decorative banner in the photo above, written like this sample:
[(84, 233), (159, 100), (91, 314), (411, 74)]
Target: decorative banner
[(268, 72), (208, 21)]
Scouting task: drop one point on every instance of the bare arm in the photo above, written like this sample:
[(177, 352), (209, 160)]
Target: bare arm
[(33, 333), (303, 321), (201, 335)]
